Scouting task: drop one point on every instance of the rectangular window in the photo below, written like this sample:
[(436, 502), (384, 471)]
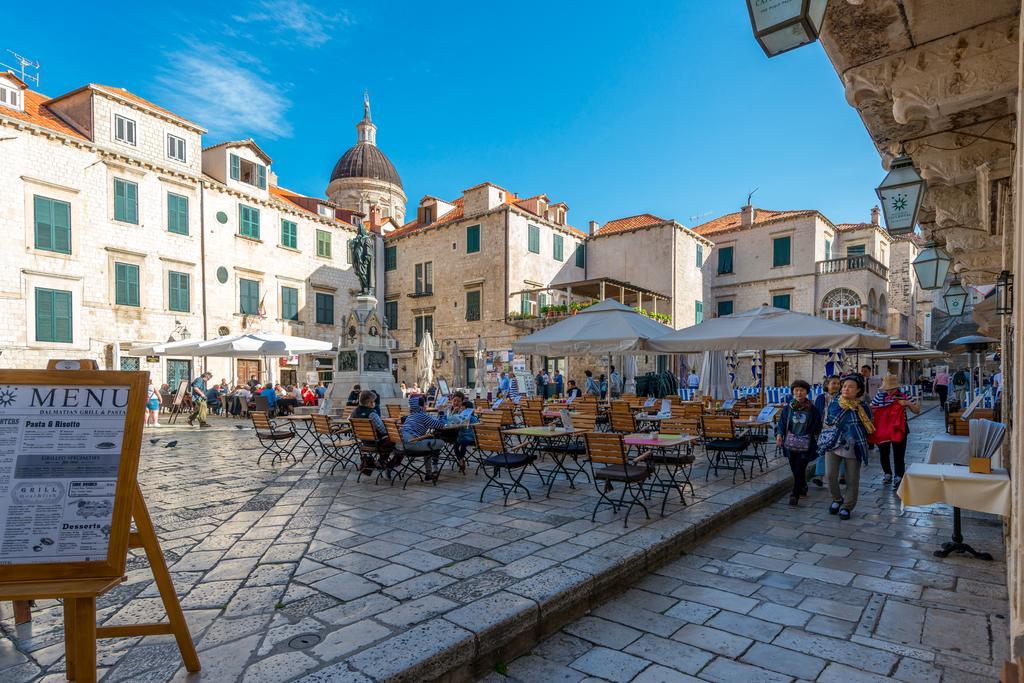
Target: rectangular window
[(724, 308), (473, 304), (175, 148), (425, 278), (325, 211), (323, 244), (391, 314), (472, 239), (324, 308), (698, 312), (856, 250), (177, 213), (130, 363), (700, 255), (781, 301), (390, 258), (557, 247), (248, 221), (525, 305), (289, 234), (248, 296), (248, 172), (781, 251), (289, 303), (424, 325), (581, 255), (53, 315), (126, 201), (178, 292), (126, 284), (124, 129), (533, 239), (725, 260), (53, 224), (828, 249)]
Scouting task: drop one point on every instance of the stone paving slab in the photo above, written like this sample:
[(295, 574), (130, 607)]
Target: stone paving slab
[(288, 574), (796, 594)]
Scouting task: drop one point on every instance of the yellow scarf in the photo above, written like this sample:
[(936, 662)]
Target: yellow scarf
[(848, 404)]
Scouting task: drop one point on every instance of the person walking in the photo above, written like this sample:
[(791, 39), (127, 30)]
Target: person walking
[(590, 386), (199, 392), (941, 384), (602, 383), (504, 384), (960, 386), (693, 381), (796, 433), (152, 405), (614, 382), (889, 414), (831, 390), (559, 386), (872, 382), (844, 438)]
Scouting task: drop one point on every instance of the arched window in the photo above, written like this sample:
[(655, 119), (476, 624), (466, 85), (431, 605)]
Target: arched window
[(841, 305)]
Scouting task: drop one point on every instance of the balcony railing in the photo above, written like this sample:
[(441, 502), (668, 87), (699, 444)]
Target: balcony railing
[(851, 263)]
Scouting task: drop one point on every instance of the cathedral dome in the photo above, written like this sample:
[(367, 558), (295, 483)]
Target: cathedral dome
[(365, 160)]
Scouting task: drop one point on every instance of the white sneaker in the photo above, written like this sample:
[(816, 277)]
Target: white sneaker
[(886, 479)]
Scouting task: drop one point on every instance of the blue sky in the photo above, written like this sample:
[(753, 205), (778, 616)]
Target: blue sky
[(662, 107)]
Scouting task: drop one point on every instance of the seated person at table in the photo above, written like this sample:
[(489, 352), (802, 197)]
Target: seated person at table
[(239, 397), (574, 391), (271, 396), (366, 410), (460, 411), (308, 397), (213, 400), (285, 401), (353, 396), (320, 391), (418, 424)]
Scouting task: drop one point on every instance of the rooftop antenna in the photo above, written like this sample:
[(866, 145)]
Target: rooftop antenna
[(694, 219), (23, 63), (751, 194)]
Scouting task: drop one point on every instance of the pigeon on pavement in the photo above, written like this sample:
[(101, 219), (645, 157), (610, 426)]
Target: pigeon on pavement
[(154, 441), (170, 444)]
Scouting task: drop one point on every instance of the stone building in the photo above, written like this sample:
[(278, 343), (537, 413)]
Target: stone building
[(121, 229)]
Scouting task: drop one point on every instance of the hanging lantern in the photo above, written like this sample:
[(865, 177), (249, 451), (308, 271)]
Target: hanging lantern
[(900, 194), (1004, 293), (781, 25), (931, 266), (956, 298)]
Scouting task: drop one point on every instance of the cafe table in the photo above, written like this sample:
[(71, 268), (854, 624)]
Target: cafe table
[(307, 436), (646, 422), (557, 442), (955, 485), (667, 450)]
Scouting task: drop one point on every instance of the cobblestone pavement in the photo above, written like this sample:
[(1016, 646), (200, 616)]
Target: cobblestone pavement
[(795, 593), (285, 573)]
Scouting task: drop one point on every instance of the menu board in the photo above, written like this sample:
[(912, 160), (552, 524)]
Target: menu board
[(69, 448)]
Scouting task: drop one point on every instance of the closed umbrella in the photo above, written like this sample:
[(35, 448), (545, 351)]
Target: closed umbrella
[(480, 368), (834, 364), (606, 327), (714, 377), (629, 374), (425, 362), (730, 360)]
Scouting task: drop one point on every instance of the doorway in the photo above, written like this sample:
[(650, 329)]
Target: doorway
[(781, 373), (247, 368), (470, 368), (178, 370)]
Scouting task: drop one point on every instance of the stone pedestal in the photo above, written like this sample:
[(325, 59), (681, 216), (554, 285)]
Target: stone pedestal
[(364, 356)]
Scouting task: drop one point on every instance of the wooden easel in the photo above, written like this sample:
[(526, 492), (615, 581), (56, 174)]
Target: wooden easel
[(79, 594)]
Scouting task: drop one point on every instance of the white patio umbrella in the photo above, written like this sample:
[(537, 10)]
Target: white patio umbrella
[(714, 376), (629, 374), (266, 345), (425, 362), (176, 348), (605, 327), (480, 368)]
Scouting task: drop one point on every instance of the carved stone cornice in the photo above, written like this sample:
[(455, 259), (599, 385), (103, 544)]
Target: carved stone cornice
[(953, 158)]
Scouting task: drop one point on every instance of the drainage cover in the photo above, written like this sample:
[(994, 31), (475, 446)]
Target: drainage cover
[(304, 641)]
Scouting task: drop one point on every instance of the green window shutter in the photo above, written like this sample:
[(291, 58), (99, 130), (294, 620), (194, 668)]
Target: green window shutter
[(261, 176), (289, 234), (126, 284), (858, 250), (289, 303), (828, 249), (473, 305), (428, 277), (53, 316), (249, 296), (581, 255), (391, 314), (472, 239), (44, 315), (418, 279), (533, 239), (177, 213), (419, 329), (52, 224), (131, 202), (724, 308), (428, 324), (44, 222), (323, 243), (700, 255), (390, 258), (249, 221), (177, 292), (698, 311), (524, 304), (236, 167), (781, 301), (780, 251), (324, 308), (556, 247), (124, 210), (725, 264)]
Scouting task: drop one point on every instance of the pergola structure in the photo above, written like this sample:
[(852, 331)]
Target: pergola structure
[(599, 289)]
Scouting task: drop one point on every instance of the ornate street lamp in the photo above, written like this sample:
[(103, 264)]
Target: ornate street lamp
[(956, 297), (900, 194), (782, 25), (1004, 293), (931, 266)]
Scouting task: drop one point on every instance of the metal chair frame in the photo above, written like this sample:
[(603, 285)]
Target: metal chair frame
[(272, 437)]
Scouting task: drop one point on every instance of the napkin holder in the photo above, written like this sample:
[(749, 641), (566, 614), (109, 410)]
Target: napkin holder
[(980, 465)]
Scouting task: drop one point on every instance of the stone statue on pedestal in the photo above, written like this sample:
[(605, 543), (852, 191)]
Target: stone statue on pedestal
[(362, 260)]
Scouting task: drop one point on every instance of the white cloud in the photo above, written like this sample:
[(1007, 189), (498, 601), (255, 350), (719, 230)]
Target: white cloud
[(227, 93), (296, 20)]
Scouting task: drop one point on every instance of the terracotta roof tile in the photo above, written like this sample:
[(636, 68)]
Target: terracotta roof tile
[(37, 113), (731, 221), (629, 223), (296, 199), (855, 226)]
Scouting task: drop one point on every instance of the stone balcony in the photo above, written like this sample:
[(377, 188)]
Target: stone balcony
[(853, 263)]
